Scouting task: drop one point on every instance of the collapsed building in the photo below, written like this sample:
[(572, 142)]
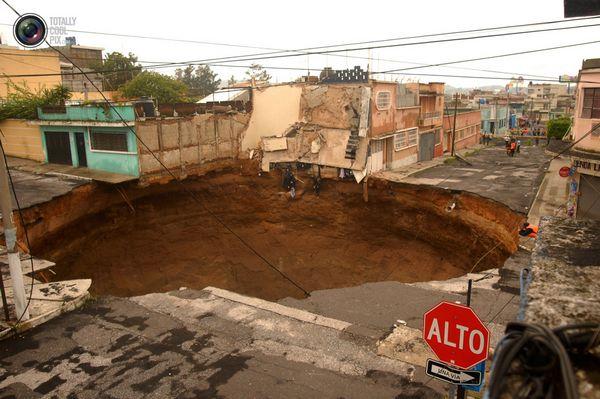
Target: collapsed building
[(342, 124), (357, 125)]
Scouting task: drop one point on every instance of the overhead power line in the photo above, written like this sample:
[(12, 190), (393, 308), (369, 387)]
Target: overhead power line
[(256, 57), (253, 57), (191, 193), (494, 56), (527, 76), (329, 46)]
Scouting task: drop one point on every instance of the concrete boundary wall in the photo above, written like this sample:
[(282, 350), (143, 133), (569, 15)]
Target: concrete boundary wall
[(183, 142), (21, 139)]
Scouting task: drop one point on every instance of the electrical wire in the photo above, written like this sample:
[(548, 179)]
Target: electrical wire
[(191, 193), (276, 50), (336, 55), (439, 41), (252, 57), (12, 185), (495, 56)]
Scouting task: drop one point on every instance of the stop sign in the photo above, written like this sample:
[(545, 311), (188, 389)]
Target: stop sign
[(456, 335)]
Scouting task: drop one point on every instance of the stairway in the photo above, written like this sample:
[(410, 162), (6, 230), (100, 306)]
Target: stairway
[(352, 145)]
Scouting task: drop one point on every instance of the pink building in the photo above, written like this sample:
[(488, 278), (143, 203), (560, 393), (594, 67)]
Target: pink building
[(585, 155), (468, 129)]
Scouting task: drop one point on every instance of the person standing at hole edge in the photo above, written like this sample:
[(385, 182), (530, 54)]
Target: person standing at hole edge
[(317, 181), (289, 182), (529, 230)]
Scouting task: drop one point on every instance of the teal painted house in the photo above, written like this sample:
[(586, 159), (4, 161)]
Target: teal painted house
[(494, 119), (91, 136)]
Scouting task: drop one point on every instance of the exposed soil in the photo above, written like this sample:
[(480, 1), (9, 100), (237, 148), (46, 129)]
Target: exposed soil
[(327, 241)]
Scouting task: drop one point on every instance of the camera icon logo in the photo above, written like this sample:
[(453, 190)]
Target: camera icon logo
[(30, 30)]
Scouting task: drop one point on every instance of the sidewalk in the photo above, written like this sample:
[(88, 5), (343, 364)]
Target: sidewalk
[(408, 170), (553, 194)]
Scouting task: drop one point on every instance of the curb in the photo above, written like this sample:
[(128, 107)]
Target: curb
[(300, 315)]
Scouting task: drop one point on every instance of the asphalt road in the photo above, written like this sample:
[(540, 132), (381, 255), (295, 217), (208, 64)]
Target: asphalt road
[(191, 345), (514, 181)]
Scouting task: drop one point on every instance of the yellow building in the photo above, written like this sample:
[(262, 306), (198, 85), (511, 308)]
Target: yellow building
[(14, 61)]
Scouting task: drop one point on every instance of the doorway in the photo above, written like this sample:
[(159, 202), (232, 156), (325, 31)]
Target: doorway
[(80, 144), (58, 147), (426, 146)]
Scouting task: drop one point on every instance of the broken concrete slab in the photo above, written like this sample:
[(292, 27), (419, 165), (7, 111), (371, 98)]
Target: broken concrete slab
[(47, 302)]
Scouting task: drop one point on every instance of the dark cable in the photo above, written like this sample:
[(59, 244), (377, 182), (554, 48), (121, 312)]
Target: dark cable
[(540, 356), (12, 185), (171, 173)]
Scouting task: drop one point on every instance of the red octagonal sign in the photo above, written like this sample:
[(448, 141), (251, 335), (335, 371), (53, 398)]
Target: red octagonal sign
[(456, 334)]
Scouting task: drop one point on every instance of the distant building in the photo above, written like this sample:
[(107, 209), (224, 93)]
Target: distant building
[(467, 130), (495, 119), (585, 156)]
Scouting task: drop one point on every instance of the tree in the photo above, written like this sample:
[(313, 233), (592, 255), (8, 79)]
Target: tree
[(258, 74), (126, 68), (22, 103), (165, 89), (558, 127), (200, 81), (231, 81)]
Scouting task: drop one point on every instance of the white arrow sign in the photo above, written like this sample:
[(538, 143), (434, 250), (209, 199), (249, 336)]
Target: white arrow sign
[(445, 372), (456, 376)]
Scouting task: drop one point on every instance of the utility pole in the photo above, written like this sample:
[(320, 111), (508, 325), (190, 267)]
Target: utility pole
[(508, 109), (10, 235), (454, 124)]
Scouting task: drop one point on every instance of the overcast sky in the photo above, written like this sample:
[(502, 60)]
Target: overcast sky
[(299, 24)]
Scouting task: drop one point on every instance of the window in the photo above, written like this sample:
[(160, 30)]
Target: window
[(438, 137), (405, 97), (405, 139), (376, 146), (591, 104), (109, 141), (383, 100)]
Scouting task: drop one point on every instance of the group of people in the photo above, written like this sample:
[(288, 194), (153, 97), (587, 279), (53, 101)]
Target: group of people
[(513, 146), (289, 181), (486, 139)]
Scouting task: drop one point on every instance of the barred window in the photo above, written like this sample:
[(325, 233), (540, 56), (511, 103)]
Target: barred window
[(109, 141), (383, 100), (405, 97), (405, 139), (591, 104)]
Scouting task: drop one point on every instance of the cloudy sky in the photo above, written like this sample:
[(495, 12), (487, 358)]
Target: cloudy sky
[(309, 23)]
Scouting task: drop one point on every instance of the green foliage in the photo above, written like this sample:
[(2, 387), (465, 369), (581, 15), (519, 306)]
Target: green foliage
[(126, 68), (231, 81), (257, 73), (558, 127), (165, 89), (200, 81), (22, 103)]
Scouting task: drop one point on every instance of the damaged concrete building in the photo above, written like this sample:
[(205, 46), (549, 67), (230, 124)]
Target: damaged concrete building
[(359, 126)]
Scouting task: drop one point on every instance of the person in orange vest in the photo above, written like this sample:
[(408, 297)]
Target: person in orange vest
[(529, 230)]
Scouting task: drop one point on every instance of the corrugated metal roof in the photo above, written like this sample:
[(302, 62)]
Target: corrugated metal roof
[(223, 95)]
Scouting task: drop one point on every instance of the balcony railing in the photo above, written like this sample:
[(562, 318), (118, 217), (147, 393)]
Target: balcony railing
[(428, 118)]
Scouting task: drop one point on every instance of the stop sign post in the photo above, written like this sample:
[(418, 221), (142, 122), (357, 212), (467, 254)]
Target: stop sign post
[(456, 334)]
